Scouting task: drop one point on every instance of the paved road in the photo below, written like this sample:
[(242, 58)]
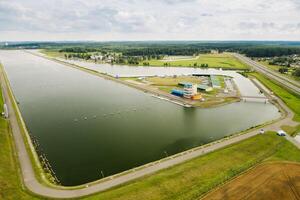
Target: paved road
[(292, 140), (286, 82), (34, 186)]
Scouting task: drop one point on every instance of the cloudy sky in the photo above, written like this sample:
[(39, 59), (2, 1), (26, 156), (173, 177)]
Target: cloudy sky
[(149, 20)]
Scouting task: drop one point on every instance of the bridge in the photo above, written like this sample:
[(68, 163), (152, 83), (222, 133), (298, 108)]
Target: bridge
[(253, 97)]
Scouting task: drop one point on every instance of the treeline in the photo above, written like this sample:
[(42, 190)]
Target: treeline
[(78, 50), (157, 48), (269, 51), (155, 51), (163, 51)]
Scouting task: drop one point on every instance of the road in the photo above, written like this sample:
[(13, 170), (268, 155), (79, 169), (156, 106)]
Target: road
[(32, 184), (284, 81)]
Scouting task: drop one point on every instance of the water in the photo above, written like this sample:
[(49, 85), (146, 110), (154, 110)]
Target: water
[(86, 124)]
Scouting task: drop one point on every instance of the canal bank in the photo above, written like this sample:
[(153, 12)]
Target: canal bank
[(161, 165)]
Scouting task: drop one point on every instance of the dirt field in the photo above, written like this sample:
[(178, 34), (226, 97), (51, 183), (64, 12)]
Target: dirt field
[(267, 181)]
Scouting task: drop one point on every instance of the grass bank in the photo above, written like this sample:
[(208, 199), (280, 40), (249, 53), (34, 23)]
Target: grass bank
[(10, 183), (290, 99)]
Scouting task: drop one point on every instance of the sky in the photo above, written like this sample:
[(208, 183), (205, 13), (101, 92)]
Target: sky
[(109, 20)]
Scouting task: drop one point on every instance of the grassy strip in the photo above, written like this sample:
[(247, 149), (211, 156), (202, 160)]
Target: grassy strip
[(194, 178), (224, 60), (10, 184), (290, 99)]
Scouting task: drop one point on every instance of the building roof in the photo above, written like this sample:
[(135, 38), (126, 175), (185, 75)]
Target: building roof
[(203, 87), (215, 81)]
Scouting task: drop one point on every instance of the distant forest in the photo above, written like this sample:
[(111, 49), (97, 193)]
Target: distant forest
[(157, 48)]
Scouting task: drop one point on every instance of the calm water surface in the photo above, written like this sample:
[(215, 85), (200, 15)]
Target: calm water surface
[(86, 124)]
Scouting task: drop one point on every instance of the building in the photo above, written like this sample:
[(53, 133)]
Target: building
[(215, 82), (214, 51), (205, 88), (189, 90), (178, 93)]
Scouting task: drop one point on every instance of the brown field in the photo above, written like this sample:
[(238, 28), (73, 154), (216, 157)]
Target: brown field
[(267, 181)]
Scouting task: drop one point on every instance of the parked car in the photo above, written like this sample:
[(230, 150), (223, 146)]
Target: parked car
[(262, 131), (281, 133)]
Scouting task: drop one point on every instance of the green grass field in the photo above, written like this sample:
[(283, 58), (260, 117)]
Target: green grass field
[(292, 100), (53, 53), (223, 60)]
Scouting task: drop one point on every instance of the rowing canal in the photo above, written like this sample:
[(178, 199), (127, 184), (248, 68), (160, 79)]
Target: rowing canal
[(89, 127)]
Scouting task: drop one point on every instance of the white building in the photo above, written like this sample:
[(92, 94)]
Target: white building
[(189, 90)]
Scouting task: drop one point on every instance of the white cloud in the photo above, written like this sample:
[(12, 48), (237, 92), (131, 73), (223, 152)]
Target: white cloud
[(149, 20)]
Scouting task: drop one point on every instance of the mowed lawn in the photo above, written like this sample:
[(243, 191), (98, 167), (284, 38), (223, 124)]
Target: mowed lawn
[(292, 100), (223, 60)]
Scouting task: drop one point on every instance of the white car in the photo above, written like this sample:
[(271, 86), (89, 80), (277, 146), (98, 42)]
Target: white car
[(262, 131), (281, 133)]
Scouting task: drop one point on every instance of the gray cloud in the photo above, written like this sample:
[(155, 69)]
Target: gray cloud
[(151, 19)]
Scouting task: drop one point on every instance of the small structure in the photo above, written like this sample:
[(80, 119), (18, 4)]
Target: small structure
[(5, 110), (204, 88), (281, 133), (197, 97)]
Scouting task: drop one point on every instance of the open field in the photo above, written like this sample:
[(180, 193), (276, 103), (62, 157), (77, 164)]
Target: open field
[(53, 53), (292, 100), (223, 60), (267, 181), (170, 81)]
